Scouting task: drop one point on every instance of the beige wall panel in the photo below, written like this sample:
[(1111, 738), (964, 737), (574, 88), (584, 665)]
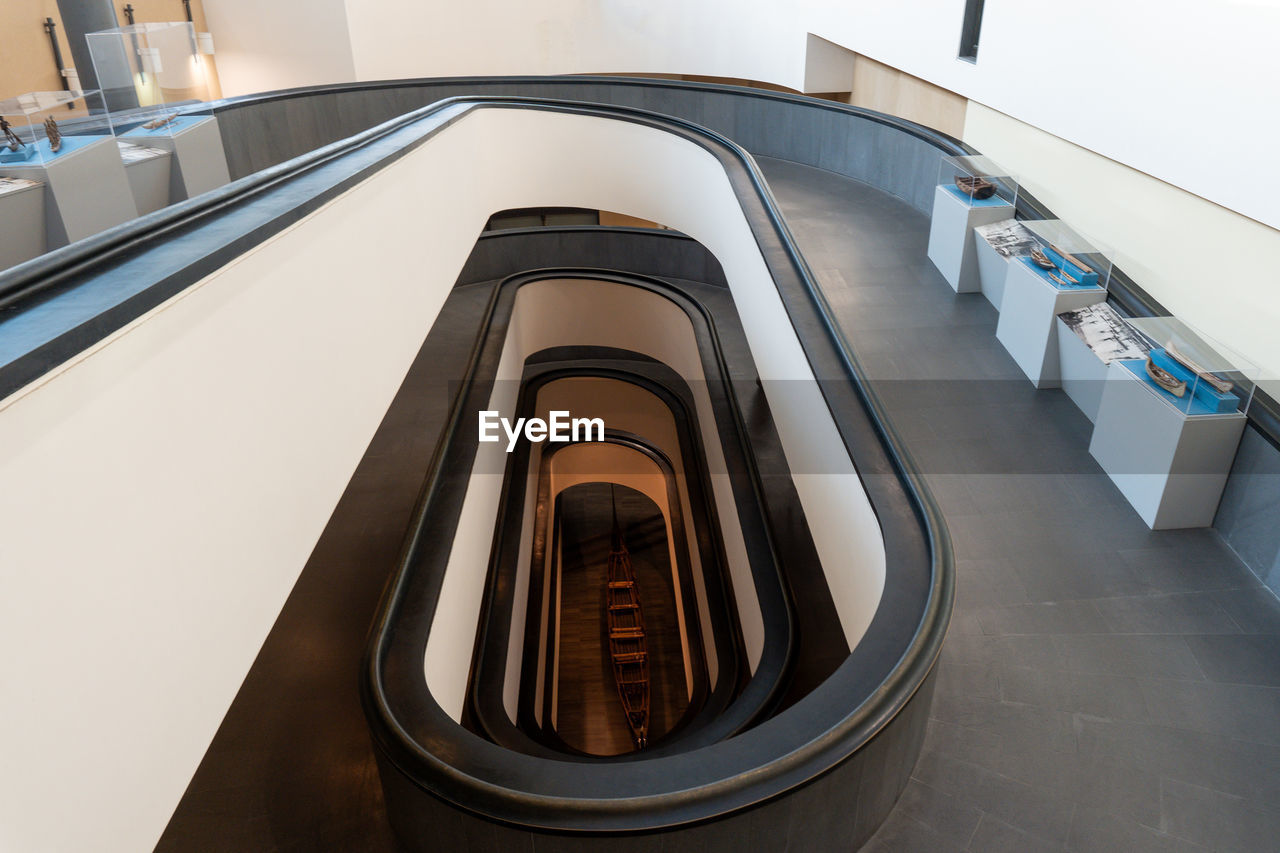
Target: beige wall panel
[(622, 220), (881, 87), (1210, 266), (26, 59)]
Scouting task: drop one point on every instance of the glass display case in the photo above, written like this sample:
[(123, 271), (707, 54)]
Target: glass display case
[(977, 181), (1192, 372), (154, 78), (1066, 259), (41, 127)]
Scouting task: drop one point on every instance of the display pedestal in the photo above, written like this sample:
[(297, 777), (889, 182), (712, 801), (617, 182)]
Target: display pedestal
[(993, 269), (86, 190), (199, 164), (22, 232), (1082, 373), (1171, 466), (951, 240), (1028, 321), (150, 180)]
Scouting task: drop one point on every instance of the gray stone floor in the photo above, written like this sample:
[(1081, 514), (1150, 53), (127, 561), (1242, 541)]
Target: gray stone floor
[(1102, 687)]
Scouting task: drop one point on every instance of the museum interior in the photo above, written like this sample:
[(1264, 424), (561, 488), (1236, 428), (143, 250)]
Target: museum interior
[(620, 426)]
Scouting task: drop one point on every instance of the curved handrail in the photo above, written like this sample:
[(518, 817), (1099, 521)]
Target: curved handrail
[(814, 753), (831, 731)]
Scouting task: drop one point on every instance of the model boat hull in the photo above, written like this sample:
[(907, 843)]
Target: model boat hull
[(975, 187), (1165, 379), (628, 649)]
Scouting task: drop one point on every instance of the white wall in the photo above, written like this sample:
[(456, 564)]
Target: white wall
[(1206, 264), (1182, 90), (264, 45), (160, 494), (426, 38)]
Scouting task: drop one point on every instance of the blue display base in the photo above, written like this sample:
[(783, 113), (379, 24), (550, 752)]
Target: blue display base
[(1044, 274), (176, 126), (22, 155), (1205, 401), (70, 145), (1204, 392), (994, 201), (1089, 279)]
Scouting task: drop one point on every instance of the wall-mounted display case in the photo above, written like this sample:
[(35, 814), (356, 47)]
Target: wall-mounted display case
[(44, 126)]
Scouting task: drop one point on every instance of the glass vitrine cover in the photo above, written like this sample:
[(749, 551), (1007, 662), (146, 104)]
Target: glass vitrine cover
[(154, 78), (1066, 259), (977, 181), (40, 127), (1191, 371)]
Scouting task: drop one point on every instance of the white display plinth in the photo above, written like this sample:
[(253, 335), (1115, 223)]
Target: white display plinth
[(993, 269), (199, 163), (86, 190), (1169, 465), (1028, 320), (150, 179), (951, 240), (1081, 372), (22, 231)]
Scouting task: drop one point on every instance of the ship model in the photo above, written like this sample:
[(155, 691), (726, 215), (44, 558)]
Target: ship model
[(1220, 385), (1042, 260), (627, 648), (11, 140), (156, 124), (975, 187), (1067, 256), (54, 135), (1165, 379)]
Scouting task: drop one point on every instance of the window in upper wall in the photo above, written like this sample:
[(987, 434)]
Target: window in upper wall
[(971, 30)]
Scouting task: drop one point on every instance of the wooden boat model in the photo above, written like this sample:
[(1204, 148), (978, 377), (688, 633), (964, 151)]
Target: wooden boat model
[(1165, 379), (156, 124), (1222, 386), (975, 187), (1083, 267), (54, 135), (1042, 260), (627, 647), (11, 139)]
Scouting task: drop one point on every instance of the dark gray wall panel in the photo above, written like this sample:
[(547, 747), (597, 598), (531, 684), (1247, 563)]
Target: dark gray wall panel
[(1250, 509)]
